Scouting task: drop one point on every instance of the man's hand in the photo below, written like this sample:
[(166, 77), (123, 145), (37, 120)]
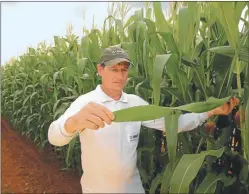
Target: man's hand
[(225, 109), (92, 116)]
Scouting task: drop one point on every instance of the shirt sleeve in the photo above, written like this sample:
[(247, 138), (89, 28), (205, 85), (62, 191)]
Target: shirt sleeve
[(57, 134), (186, 122)]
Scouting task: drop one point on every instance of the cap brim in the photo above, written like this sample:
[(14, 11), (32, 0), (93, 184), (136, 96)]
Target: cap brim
[(116, 61)]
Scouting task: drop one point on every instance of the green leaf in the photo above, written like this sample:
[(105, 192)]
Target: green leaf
[(143, 90), (209, 183), (246, 132), (43, 79), (141, 113), (187, 169), (221, 80), (171, 127), (94, 47), (160, 62), (169, 39), (81, 63), (239, 6), (85, 42), (225, 12), (179, 77), (222, 140), (243, 176), (70, 151), (32, 95), (156, 181), (151, 27), (161, 23), (131, 19), (56, 41), (246, 86), (166, 179), (230, 52), (200, 107), (150, 112), (199, 76), (188, 23), (173, 91), (244, 172), (55, 76), (183, 24)]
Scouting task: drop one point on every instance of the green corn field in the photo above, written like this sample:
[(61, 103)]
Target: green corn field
[(192, 60)]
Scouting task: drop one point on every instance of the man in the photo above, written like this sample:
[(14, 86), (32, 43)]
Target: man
[(108, 149)]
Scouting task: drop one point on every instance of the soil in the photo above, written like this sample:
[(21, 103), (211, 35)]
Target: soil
[(26, 169)]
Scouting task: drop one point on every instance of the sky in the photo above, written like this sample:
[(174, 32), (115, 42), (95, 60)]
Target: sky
[(25, 24)]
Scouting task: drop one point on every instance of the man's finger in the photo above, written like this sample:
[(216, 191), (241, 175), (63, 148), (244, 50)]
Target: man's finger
[(236, 101), (96, 120), (232, 103), (107, 112), (91, 125), (100, 113)]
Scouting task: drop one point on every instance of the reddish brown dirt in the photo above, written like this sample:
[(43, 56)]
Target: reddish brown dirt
[(25, 169)]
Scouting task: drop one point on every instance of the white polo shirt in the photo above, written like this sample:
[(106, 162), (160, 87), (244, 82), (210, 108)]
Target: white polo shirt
[(108, 155)]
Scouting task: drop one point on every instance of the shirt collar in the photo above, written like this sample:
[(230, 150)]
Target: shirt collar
[(105, 98)]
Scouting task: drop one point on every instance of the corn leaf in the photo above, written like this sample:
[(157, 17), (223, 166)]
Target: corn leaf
[(182, 82), (171, 127), (239, 6), (160, 62), (187, 169), (200, 107), (169, 39), (141, 113), (226, 15), (156, 181), (246, 132), (81, 63), (220, 89), (70, 151), (166, 179), (161, 23), (209, 183), (150, 112), (199, 76), (173, 91), (230, 52), (183, 24)]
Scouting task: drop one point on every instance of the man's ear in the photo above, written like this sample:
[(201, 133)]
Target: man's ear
[(100, 69)]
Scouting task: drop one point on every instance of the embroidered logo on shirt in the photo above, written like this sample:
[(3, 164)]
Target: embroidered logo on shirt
[(133, 137)]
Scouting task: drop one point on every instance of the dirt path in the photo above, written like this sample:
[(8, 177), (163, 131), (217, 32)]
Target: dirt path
[(27, 170)]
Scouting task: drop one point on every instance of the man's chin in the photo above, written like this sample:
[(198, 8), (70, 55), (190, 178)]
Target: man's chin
[(118, 86)]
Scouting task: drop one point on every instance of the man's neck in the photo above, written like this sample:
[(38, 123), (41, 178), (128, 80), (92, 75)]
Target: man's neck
[(116, 95)]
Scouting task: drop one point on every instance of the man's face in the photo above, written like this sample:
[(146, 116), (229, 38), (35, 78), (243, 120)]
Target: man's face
[(114, 77)]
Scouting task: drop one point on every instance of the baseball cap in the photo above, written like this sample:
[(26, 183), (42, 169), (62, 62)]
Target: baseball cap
[(114, 55)]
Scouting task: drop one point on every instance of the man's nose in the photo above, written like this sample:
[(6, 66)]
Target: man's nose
[(120, 74)]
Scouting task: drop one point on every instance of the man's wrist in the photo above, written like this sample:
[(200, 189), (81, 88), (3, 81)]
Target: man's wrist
[(210, 113), (70, 125)]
